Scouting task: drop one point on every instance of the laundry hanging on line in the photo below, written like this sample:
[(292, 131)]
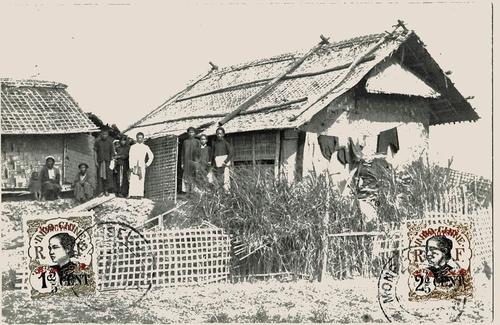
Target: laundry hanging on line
[(345, 154), (328, 145), (388, 138)]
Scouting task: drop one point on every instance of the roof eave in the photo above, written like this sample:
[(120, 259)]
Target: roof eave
[(55, 132)]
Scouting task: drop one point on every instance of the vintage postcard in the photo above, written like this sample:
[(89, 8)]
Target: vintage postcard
[(227, 161)]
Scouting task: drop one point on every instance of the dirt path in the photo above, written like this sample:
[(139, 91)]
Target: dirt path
[(337, 301)]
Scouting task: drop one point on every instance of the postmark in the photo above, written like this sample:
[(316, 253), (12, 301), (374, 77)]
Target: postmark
[(430, 279), (61, 255), (125, 264)]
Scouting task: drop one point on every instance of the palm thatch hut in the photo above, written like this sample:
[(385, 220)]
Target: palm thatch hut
[(274, 109), (40, 118)]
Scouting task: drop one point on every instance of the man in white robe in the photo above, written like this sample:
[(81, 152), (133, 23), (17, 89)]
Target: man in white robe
[(138, 154)]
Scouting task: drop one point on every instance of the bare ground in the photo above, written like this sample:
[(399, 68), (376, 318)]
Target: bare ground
[(347, 301), (353, 300)]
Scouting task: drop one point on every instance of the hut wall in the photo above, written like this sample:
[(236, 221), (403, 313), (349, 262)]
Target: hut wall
[(288, 154), (410, 115), (161, 175), (24, 154), (79, 149), (258, 150), (362, 118)]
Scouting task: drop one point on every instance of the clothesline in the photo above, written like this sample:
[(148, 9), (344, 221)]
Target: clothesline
[(346, 136)]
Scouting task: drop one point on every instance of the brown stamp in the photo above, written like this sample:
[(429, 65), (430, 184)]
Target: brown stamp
[(439, 260), (60, 253)]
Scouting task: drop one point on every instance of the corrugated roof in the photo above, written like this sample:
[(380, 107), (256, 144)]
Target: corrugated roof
[(319, 79), (40, 107)]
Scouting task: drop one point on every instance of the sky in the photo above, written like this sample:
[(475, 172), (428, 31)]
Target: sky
[(122, 59)]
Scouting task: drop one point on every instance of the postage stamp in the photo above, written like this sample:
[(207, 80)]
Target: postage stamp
[(61, 258), (429, 277), (439, 260)]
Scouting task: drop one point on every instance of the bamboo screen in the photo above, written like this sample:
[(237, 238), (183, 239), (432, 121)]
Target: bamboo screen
[(163, 258), (160, 258), (161, 176), (254, 146)]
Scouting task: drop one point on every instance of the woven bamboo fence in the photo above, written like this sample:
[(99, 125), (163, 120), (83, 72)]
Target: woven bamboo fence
[(170, 258), (159, 258), (364, 253)]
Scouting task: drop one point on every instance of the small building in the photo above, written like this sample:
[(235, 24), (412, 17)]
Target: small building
[(40, 118), (273, 110)]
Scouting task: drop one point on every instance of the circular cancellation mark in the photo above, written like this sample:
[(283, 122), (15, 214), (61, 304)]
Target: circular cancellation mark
[(125, 266), (395, 295)]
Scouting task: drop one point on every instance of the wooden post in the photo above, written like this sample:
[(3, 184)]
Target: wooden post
[(63, 162), (253, 151), (277, 156), (324, 235), (292, 67), (465, 207)]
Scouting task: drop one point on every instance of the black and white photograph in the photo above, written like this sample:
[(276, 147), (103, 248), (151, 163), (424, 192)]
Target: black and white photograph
[(247, 161)]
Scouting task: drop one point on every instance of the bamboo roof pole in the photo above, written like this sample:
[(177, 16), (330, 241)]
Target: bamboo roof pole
[(353, 65), (175, 96), (247, 103)]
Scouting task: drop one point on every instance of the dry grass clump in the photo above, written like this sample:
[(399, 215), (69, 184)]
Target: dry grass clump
[(277, 226)]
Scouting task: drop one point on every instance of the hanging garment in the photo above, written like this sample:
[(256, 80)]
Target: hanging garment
[(350, 153), (328, 145), (388, 138)]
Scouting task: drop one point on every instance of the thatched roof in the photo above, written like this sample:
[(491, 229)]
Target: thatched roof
[(292, 101), (40, 107)]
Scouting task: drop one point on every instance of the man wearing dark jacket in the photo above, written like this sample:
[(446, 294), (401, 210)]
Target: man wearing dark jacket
[(104, 152), (190, 155), (121, 167)]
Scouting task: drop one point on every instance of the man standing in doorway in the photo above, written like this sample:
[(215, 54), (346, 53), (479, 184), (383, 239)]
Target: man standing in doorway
[(190, 154), (104, 152), (205, 162), (138, 155), (223, 155)]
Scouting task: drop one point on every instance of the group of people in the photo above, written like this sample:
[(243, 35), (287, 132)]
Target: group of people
[(202, 164), (121, 169)]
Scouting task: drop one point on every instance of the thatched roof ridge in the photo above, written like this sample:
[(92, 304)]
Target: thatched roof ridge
[(41, 107), (223, 90)]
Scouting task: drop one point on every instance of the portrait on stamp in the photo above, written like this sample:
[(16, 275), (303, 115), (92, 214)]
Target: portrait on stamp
[(439, 260), (60, 254)]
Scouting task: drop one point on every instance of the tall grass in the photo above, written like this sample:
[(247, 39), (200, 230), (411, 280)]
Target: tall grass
[(277, 226)]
